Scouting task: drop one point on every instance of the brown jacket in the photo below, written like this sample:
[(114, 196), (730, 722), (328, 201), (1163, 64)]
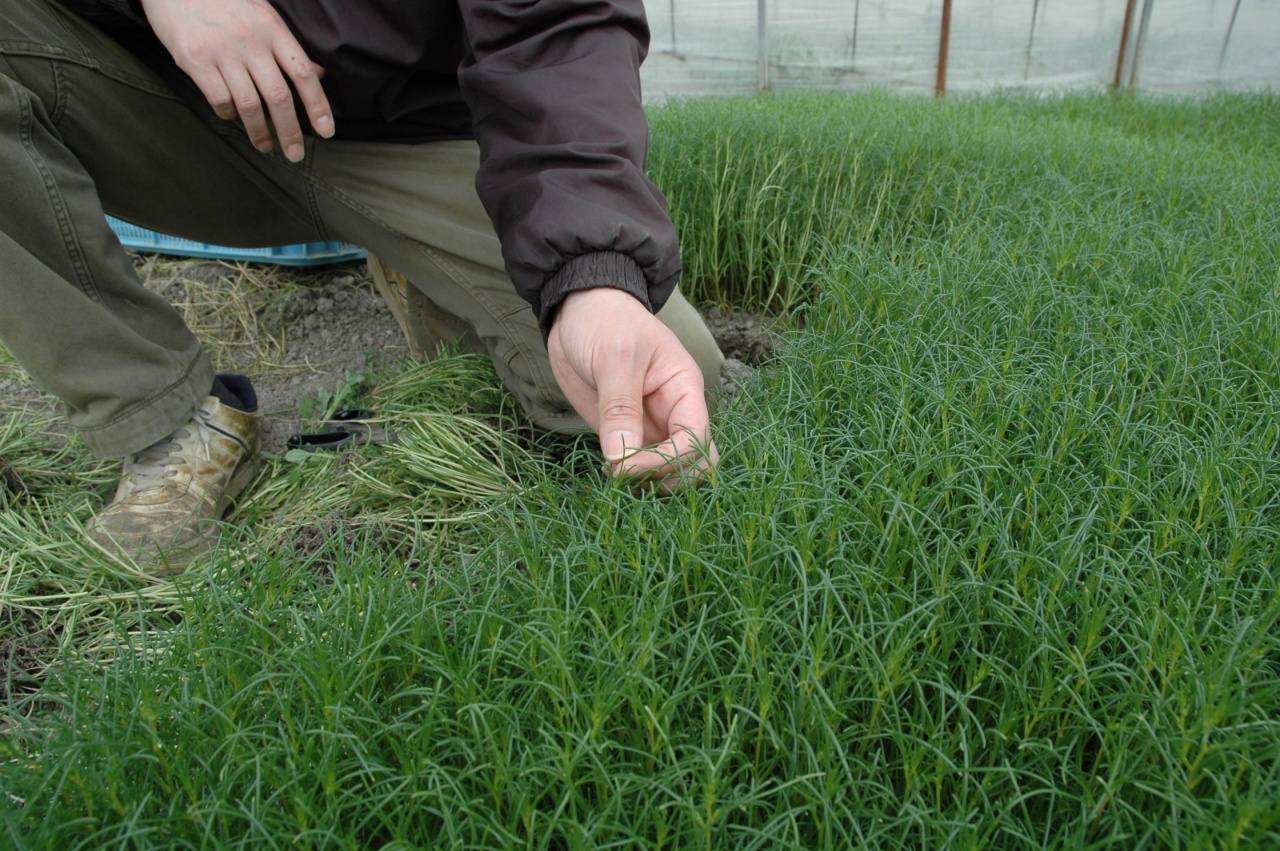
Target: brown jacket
[(551, 91)]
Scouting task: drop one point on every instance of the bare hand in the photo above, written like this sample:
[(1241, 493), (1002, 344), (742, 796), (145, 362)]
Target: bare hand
[(633, 382), (235, 51)]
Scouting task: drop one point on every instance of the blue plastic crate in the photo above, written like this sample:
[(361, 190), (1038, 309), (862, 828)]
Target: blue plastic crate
[(310, 254)]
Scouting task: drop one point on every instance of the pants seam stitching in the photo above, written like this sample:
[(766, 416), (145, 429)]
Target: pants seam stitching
[(66, 229)]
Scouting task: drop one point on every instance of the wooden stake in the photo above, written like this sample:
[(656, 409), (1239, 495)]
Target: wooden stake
[(1124, 42), (944, 44)]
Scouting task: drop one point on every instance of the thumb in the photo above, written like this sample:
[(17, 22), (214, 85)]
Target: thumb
[(621, 415)]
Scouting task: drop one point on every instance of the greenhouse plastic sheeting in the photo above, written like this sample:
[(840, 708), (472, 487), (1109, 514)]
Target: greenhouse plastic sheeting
[(714, 46)]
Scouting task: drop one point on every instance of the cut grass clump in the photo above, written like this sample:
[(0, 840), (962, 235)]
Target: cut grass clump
[(446, 458), (992, 558)]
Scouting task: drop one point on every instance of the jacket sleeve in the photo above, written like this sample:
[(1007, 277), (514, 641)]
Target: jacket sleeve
[(554, 91)]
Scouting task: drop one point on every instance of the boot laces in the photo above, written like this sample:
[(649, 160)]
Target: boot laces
[(161, 461)]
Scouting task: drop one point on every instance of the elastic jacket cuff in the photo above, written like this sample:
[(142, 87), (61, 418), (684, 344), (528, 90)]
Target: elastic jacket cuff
[(587, 271)]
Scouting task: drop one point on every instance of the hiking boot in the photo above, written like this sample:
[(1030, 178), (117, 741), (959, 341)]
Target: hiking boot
[(164, 513)]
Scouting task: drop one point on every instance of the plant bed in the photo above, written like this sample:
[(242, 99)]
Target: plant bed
[(990, 559)]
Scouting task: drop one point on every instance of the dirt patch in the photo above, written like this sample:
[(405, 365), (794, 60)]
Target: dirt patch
[(296, 332), (335, 328), (327, 542), (25, 655), (743, 337), (10, 481)]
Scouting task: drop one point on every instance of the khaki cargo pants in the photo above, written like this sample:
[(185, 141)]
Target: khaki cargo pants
[(87, 128)]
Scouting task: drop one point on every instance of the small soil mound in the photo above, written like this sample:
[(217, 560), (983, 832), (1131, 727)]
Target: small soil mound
[(743, 337)]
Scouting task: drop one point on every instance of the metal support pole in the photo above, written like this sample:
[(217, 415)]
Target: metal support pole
[(675, 49), (944, 44), (853, 42), (1031, 36), (1231, 26), (762, 55), (1142, 39)]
